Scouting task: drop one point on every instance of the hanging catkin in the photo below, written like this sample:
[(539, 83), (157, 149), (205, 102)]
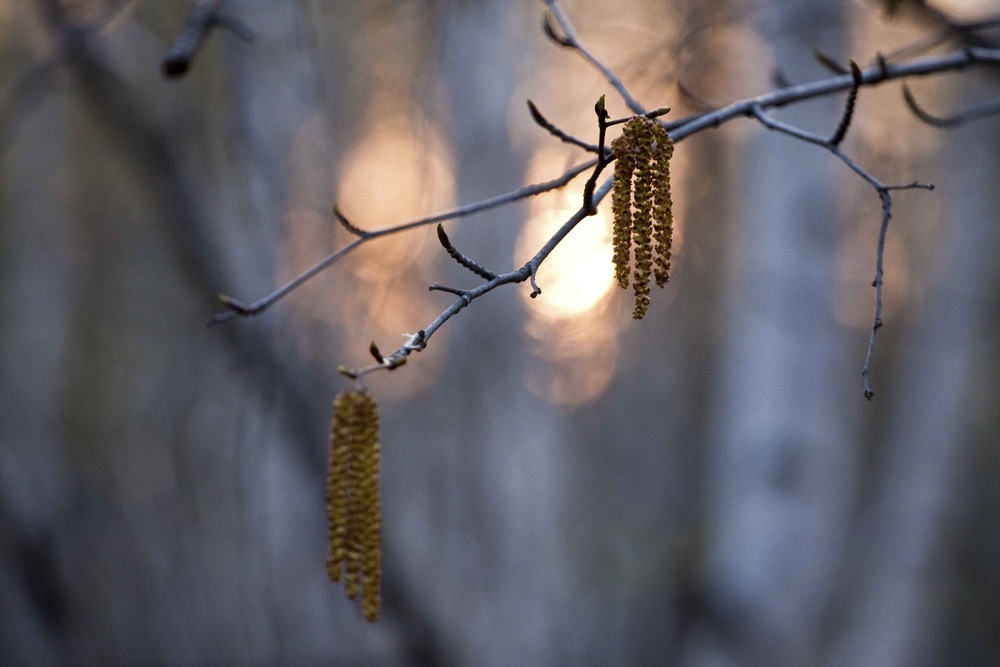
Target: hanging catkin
[(354, 513), (642, 207)]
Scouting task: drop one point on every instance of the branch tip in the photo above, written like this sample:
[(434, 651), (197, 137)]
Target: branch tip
[(550, 31), (828, 62), (600, 110), (462, 259)]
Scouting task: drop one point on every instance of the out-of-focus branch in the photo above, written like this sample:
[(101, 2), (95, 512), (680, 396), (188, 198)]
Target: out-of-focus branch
[(870, 76), (568, 39), (967, 115), (204, 16)]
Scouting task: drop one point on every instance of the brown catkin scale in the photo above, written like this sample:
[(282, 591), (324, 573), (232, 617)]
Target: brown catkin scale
[(642, 207), (354, 514)]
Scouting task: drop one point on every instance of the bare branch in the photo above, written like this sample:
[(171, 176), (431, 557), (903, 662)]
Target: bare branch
[(527, 272), (558, 28), (885, 198), (870, 76)]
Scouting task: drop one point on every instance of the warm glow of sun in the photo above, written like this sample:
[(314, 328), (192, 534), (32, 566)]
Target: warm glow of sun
[(578, 274), (399, 169), (571, 325)]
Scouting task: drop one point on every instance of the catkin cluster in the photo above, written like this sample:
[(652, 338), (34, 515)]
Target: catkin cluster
[(642, 208), (354, 513)]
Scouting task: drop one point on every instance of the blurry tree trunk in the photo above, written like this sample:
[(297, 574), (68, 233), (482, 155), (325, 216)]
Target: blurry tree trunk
[(782, 457), (897, 617), (491, 476)]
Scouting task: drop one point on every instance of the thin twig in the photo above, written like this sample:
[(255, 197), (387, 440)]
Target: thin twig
[(544, 123), (527, 272), (870, 76), (569, 39), (885, 198), (603, 159), (236, 308), (461, 258)]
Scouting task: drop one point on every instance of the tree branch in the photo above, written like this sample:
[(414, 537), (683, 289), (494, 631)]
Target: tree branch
[(754, 107), (237, 308)]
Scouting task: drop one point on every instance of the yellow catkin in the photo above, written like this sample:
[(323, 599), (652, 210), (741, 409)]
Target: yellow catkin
[(663, 216), (642, 208), (642, 218), (621, 207), (336, 485), (369, 456), (354, 515), (352, 553)]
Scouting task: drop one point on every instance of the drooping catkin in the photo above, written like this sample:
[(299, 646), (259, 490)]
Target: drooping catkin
[(621, 207), (642, 207), (663, 215), (354, 514), (642, 219)]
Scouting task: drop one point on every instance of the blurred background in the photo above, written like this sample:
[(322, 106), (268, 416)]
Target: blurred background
[(562, 485)]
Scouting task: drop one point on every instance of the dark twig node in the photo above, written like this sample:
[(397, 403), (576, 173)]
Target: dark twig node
[(550, 31), (533, 278), (204, 16)]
